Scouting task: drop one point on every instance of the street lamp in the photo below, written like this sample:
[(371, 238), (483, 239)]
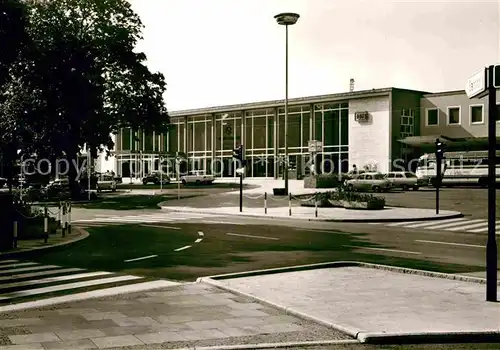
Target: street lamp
[(286, 19)]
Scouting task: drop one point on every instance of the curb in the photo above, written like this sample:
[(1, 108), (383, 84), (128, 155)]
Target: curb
[(491, 336), (276, 345), (444, 217), (83, 234), (334, 264)]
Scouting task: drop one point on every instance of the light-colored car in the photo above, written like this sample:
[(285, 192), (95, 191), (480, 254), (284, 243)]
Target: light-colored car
[(405, 180), (197, 177), (375, 182), (106, 183)]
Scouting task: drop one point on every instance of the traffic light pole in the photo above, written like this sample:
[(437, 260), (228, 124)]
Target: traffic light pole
[(241, 192), (438, 182), (491, 245)]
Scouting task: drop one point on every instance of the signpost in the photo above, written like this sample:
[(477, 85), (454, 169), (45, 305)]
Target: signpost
[(481, 84)]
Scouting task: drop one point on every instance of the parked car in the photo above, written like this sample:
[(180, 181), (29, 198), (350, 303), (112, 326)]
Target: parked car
[(155, 178), (3, 181), (106, 183), (197, 177), (405, 180), (375, 182)]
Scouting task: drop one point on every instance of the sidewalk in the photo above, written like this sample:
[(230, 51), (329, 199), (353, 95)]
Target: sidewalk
[(55, 240), (327, 214), (379, 304), (189, 315)]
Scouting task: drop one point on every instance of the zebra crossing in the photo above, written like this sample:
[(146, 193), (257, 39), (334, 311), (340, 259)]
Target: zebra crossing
[(160, 217), (453, 225), (22, 282)]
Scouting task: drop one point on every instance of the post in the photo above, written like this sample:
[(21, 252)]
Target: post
[(46, 225), (64, 220), (15, 234), (161, 175), (265, 203), (491, 245), (241, 193), (69, 217), (289, 204), (438, 182), (178, 166), (315, 207), (88, 171), (286, 111), (59, 215)]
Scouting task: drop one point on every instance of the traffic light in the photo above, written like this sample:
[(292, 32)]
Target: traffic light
[(439, 149), (238, 153)]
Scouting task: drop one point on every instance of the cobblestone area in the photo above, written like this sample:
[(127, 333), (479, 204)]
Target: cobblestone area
[(176, 317)]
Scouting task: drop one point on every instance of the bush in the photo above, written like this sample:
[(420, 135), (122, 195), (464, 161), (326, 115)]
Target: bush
[(346, 198), (30, 222)]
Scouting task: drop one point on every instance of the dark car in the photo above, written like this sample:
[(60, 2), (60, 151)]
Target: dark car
[(155, 178)]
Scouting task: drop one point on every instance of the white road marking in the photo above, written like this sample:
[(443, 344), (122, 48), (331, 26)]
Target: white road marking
[(67, 286), (480, 223), (450, 243), (8, 261), (18, 265), (198, 240), (383, 249), (141, 258), (34, 268), (55, 279), (182, 248), (485, 229), (251, 236), (160, 226), (437, 223), (201, 234)]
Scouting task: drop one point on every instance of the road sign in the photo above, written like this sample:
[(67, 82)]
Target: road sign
[(496, 76), (315, 146), (476, 84)]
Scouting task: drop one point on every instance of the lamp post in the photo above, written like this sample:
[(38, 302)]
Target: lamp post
[(286, 19)]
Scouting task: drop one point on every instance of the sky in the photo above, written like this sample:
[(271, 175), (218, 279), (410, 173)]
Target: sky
[(220, 52)]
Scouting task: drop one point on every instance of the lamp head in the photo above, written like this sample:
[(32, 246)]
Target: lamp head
[(287, 18)]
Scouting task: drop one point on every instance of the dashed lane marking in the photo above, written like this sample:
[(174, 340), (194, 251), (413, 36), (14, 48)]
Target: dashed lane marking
[(251, 236), (182, 248), (383, 249), (141, 258), (451, 243)]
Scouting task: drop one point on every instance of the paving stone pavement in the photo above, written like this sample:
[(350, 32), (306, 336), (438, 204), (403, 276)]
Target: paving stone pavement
[(376, 300), (188, 315)]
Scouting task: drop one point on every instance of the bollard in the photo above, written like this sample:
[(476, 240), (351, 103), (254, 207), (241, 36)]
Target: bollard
[(64, 220), (45, 225), (69, 218), (15, 234), (59, 216), (265, 202), (315, 207), (289, 204)]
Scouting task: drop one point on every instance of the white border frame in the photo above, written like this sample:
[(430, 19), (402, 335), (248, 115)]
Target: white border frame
[(427, 116), (470, 114), (448, 115)]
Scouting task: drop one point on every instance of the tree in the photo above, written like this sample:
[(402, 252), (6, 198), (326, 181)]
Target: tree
[(83, 78), (12, 38)]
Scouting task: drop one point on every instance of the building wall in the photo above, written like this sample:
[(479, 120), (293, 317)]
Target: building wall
[(370, 143), (466, 127), (406, 120)]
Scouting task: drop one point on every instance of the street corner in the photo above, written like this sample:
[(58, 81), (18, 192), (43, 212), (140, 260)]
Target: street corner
[(388, 214)]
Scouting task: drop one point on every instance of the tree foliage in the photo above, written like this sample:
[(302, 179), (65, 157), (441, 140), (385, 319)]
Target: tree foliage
[(78, 79)]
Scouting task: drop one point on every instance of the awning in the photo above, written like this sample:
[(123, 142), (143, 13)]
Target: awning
[(465, 143), (417, 141)]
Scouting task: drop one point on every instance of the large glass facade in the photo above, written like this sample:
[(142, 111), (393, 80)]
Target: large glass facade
[(208, 141)]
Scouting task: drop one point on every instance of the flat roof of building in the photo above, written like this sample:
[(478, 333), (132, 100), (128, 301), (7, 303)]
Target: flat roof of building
[(340, 97)]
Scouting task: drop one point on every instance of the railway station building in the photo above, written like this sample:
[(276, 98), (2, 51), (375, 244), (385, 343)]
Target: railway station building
[(373, 129)]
